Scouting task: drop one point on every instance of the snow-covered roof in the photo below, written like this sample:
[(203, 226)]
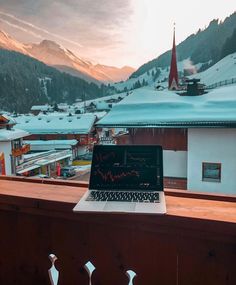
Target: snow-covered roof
[(12, 134), (101, 105), (52, 142), (41, 108), (45, 158), (75, 124), (149, 108), (10, 120)]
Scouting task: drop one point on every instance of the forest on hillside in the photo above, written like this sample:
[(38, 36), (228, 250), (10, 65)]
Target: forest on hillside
[(25, 81)]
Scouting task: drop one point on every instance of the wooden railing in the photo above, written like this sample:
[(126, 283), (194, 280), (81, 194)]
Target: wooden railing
[(194, 243)]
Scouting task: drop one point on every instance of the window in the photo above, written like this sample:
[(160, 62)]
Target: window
[(211, 172)]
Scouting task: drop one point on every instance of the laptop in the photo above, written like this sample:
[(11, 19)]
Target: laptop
[(125, 179)]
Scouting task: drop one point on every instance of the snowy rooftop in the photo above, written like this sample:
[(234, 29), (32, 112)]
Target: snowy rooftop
[(75, 124), (13, 134), (147, 107), (41, 108), (52, 142), (37, 160)]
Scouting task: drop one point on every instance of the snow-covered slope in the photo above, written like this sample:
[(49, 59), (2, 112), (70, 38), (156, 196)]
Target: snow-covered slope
[(224, 69)]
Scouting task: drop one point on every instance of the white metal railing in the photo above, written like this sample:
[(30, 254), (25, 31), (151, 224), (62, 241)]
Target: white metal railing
[(106, 140), (89, 267)]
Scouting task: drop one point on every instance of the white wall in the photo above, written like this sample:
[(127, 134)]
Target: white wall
[(175, 163), (5, 147), (212, 145)]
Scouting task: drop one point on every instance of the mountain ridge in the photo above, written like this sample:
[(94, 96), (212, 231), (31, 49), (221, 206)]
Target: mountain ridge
[(201, 47), (26, 81), (53, 54)]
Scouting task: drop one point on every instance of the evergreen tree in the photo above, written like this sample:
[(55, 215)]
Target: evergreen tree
[(25, 81), (229, 45)]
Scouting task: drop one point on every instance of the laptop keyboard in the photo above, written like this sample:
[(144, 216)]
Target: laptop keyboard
[(122, 196)]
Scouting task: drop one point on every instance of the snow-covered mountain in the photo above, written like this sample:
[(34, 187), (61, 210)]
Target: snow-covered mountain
[(225, 69), (65, 60), (7, 42)]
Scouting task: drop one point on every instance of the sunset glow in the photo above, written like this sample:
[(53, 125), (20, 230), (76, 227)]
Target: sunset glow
[(118, 32)]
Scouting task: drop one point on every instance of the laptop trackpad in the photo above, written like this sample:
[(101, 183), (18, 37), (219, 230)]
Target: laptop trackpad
[(119, 207)]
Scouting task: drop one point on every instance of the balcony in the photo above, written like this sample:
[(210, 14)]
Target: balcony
[(22, 150), (194, 243)]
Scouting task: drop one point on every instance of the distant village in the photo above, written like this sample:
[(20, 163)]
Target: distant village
[(41, 143), (195, 125)]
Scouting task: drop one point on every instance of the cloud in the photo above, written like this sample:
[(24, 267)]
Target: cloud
[(21, 28), (34, 27), (94, 29)]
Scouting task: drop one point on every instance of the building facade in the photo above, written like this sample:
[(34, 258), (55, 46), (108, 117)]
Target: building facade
[(197, 133), (12, 148)]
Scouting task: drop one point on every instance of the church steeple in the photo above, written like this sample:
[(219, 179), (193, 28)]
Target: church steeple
[(173, 76)]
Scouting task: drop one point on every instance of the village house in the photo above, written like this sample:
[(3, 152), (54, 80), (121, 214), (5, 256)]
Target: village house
[(36, 109), (12, 148), (197, 133), (51, 131)]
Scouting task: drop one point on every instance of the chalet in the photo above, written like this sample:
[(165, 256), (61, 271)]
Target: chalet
[(36, 109), (12, 148), (197, 133), (58, 128)]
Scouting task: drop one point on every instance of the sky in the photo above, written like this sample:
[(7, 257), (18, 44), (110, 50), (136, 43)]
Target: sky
[(111, 32)]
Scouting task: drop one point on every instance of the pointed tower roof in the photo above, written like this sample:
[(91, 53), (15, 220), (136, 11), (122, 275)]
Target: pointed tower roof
[(173, 76)]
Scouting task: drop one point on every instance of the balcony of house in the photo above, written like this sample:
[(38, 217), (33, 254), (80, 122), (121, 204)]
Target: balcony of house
[(25, 148), (194, 243)]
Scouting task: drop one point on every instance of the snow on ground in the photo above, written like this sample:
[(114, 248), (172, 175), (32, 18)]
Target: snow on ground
[(225, 69), (82, 167), (12, 134)]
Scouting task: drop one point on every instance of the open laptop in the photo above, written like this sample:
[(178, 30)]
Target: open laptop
[(125, 179)]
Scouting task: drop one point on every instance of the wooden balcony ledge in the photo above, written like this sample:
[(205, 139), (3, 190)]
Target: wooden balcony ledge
[(194, 243)]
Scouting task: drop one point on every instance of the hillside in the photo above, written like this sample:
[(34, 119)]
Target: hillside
[(197, 53), (25, 81), (203, 47), (225, 69)]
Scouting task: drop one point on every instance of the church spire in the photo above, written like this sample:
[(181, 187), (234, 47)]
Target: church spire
[(173, 76)]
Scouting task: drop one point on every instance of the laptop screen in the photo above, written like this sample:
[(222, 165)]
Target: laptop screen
[(127, 167)]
